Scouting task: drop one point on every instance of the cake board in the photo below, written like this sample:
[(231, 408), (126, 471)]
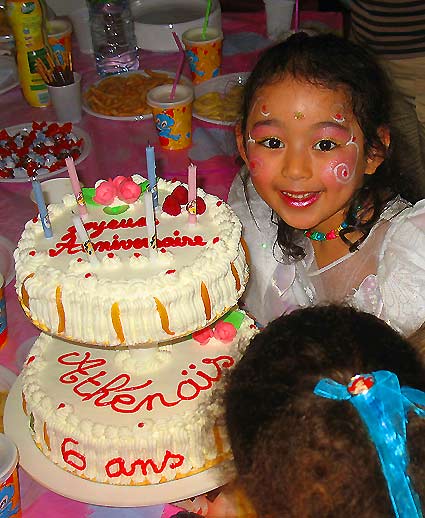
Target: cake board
[(51, 476)]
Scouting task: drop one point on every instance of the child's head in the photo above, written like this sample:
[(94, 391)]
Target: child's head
[(298, 454), (314, 133)]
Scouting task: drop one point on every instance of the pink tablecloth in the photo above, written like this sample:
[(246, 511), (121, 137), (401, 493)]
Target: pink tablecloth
[(119, 148)]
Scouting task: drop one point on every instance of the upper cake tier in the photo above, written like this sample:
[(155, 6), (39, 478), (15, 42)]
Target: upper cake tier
[(131, 297)]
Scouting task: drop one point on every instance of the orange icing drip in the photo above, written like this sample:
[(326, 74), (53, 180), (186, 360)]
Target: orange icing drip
[(24, 294), (116, 322), (24, 404), (46, 437), (236, 276), (163, 315), (246, 250), (61, 312), (218, 440), (206, 300)]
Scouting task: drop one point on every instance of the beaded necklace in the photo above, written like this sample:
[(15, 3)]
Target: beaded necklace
[(322, 236)]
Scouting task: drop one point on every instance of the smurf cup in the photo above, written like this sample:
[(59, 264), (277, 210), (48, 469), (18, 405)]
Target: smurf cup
[(59, 37), (172, 117), (3, 316), (9, 481), (203, 54)]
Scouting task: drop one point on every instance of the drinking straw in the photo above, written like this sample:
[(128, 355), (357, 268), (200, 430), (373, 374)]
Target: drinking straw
[(207, 15), (297, 17), (180, 64)]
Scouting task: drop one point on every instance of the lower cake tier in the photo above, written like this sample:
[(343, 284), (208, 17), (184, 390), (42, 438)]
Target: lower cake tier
[(134, 416)]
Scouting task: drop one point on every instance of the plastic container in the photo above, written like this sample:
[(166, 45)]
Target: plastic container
[(9, 480), (27, 22), (3, 316), (114, 41)]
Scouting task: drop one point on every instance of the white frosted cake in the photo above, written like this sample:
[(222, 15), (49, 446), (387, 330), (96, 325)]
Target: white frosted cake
[(133, 416), (197, 275)]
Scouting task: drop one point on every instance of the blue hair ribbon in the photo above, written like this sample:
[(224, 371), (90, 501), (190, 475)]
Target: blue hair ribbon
[(383, 407)]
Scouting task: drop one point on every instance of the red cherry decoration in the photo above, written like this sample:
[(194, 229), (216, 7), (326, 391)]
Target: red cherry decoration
[(171, 206), (181, 194), (200, 205)]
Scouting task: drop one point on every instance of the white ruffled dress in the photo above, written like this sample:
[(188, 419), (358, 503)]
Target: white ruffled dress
[(385, 277)]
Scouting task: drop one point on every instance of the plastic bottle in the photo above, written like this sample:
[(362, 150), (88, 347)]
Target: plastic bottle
[(26, 20), (114, 40)]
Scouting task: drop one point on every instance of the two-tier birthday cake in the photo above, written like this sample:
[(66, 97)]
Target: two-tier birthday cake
[(128, 390)]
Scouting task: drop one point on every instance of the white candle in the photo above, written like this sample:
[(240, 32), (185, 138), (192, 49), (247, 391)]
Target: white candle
[(191, 182), (150, 223), (85, 240), (76, 187)]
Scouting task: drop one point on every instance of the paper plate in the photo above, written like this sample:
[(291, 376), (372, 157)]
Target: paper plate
[(221, 85), (141, 117), (44, 173), (8, 74), (59, 481)]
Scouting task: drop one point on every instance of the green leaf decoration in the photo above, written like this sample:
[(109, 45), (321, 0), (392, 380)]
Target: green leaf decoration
[(88, 193), (144, 186), (113, 211), (234, 317)]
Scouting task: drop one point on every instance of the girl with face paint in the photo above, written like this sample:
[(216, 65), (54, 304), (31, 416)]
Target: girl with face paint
[(327, 216)]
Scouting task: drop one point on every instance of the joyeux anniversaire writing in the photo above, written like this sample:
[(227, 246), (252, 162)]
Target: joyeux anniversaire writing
[(87, 376), (68, 242)]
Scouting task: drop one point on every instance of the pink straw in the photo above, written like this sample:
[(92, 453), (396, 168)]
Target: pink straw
[(297, 17), (180, 64)]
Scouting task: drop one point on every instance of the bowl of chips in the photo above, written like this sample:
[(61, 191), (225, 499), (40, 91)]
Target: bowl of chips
[(219, 100), (123, 96)]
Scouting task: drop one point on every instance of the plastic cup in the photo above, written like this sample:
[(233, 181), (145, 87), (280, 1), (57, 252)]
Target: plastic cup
[(203, 55), (81, 25), (9, 480), (278, 17), (3, 316), (172, 118), (54, 190), (59, 37), (66, 100)]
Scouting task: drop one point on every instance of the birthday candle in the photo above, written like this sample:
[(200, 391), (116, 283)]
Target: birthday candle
[(76, 187), (150, 160), (84, 237), (150, 223), (191, 182), (42, 209)]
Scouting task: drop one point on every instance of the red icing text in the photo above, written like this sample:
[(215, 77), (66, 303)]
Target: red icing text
[(69, 244), (88, 378)]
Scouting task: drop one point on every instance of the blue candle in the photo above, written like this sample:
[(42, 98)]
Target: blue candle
[(150, 160), (42, 209)]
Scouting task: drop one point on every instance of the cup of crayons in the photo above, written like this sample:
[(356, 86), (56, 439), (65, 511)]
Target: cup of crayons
[(63, 84)]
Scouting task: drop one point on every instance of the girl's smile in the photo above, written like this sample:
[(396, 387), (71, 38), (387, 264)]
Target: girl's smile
[(305, 152)]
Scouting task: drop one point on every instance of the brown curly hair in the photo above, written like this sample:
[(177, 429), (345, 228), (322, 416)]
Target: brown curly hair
[(298, 454)]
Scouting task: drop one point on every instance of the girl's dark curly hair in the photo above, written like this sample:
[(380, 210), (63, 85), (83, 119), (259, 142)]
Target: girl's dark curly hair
[(333, 62), (298, 454)]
